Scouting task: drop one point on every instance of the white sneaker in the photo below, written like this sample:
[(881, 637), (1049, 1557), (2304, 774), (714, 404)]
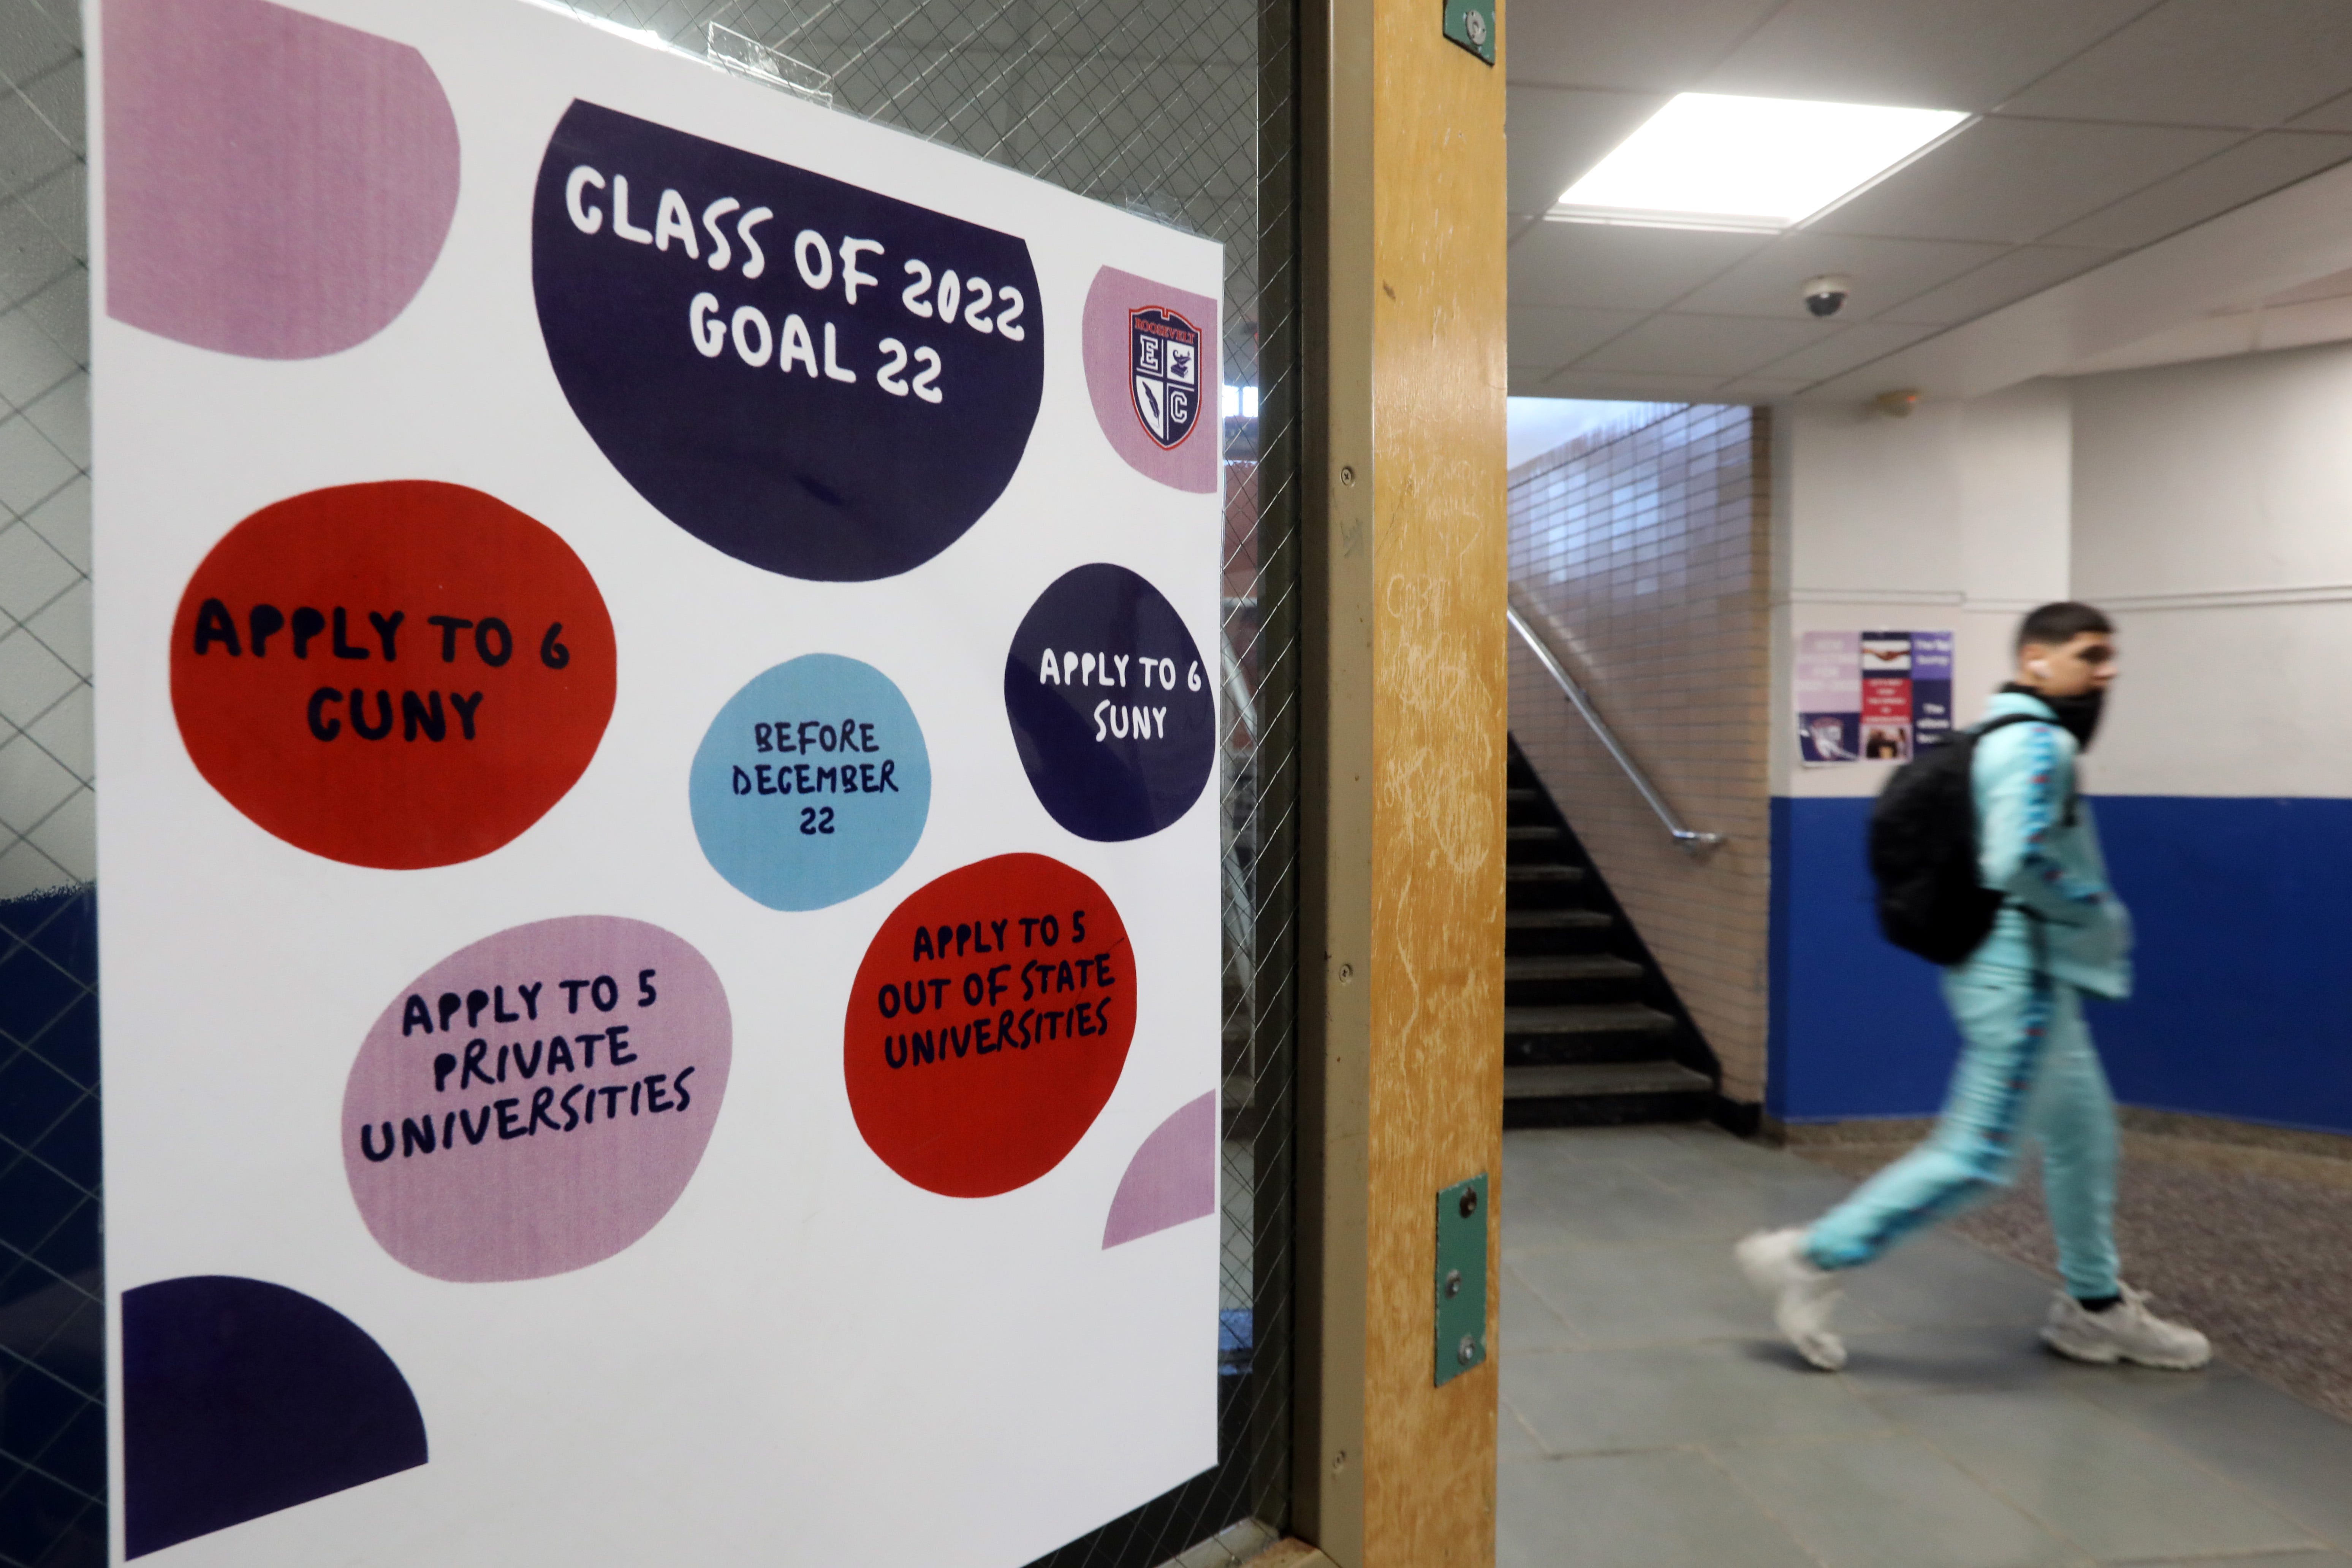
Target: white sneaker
[(2125, 1332), (1801, 1293)]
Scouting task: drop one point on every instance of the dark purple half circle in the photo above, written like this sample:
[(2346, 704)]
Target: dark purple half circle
[(240, 1398)]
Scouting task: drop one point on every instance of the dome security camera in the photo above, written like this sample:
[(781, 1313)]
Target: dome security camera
[(1826, 294)]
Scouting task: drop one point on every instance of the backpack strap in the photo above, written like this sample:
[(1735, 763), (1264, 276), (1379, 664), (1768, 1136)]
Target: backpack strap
[(1989, 725)]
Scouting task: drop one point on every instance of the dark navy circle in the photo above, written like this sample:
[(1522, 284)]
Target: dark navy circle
[(816, 378), (1113, 711)]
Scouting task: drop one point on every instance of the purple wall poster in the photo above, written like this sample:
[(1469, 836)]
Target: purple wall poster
[(1870, 695)]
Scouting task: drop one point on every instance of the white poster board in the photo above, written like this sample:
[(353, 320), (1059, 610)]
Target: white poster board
[(656, 650)]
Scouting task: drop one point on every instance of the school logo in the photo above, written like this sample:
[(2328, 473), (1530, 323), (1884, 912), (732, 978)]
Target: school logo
[(1165, 359)]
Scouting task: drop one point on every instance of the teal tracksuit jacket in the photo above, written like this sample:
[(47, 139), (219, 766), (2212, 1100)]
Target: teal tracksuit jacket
[(2027, 1064)]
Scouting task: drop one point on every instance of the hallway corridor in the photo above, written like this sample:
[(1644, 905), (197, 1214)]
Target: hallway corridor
[(1651, 1419)]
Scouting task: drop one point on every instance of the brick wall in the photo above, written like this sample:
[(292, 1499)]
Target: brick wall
[(1641, 551)]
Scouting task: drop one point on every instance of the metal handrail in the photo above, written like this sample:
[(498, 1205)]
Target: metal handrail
[(1685, 838)]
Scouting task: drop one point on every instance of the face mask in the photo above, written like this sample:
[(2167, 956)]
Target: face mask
[(2078, 716)]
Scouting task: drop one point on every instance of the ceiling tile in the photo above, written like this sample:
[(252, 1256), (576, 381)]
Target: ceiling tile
[(1759, 388), (1924, 54), (1659, 46), (2029, 269), (2206, 62), (2301, 326), (1527, 381), (1558, 133), (1624, 385), (2334, 286), (2230, 178), (2335, 114), (1719, 346), (1614, 267), (2225, 335), (2015, 180), (1884, 272), (1552, 335), (1856, 345)]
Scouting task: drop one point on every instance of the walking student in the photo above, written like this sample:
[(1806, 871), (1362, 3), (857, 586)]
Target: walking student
[(2027, 1064)]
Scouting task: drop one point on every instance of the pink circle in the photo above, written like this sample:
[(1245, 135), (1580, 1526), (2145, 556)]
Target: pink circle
[(1112, 301), (469, 1167), (277, 186)]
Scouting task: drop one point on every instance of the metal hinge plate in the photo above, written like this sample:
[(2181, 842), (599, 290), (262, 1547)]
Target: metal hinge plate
[(1471, 24), (1461, 1278)]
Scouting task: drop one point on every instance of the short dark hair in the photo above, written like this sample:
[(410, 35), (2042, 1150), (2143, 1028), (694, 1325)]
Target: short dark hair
[(2055, 625)]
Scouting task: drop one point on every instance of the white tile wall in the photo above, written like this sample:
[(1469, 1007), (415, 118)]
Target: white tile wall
[(1642, 551)]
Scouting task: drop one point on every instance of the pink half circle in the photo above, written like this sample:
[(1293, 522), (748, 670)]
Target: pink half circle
[(277, 186), (1172, 1179), (1193, 464)]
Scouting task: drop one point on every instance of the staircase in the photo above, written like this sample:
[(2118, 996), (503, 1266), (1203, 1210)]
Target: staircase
[(1593, 1033)]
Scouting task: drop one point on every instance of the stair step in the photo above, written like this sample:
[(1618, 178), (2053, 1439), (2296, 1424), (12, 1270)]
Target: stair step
[(1531, 834), (1577, 1050), (1557, 920), (1588, 1079), (1587, 1018), (1572, 966), (1543, 874)]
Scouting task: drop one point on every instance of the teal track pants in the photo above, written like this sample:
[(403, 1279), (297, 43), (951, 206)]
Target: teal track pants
[(2026, 1067)]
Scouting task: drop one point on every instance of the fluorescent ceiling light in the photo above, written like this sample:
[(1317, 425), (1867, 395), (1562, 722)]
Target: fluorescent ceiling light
[(1705, 160)]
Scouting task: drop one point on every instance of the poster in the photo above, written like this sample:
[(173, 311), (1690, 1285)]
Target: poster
[(661, 940), (1870, 695)]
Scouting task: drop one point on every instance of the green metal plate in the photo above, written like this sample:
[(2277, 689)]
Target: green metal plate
[(1471, 24), (1461, 1278)]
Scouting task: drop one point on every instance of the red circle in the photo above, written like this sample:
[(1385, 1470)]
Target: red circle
[(465, 733), (973, 1098)]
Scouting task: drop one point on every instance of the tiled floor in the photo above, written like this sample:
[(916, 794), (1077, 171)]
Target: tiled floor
[(1651, 1419)]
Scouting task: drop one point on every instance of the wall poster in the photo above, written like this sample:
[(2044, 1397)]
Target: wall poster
[(1870, 695), (657, 650)]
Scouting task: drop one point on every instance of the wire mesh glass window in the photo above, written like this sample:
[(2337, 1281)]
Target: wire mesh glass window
[(1184, 113), (52, 1308)]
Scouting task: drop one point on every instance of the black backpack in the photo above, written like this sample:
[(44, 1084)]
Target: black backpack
[(1923, 851)]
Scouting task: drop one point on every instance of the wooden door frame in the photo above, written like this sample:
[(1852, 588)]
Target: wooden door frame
[(1405, 714)]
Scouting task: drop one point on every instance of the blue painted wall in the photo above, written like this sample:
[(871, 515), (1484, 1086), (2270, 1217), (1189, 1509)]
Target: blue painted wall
[(1857, 1027), (2244, 1009)]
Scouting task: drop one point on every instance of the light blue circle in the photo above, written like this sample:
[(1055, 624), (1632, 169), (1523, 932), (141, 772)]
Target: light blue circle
[(813, 784)]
